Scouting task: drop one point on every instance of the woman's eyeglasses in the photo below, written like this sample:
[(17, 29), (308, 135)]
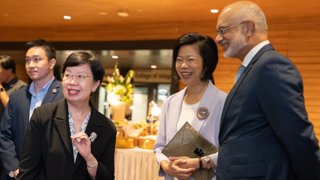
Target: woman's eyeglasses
[(79, 77)]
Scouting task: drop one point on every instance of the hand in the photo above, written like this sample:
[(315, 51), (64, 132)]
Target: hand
[(188, 162), (16, 172), (173, 168), (82, 143)]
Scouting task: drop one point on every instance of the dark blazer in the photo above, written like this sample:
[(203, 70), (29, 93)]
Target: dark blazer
[(12, 86), (265, 132), (47, 150), (14, 123)]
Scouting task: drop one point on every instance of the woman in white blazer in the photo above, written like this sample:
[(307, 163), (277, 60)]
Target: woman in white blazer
[(200, 104)]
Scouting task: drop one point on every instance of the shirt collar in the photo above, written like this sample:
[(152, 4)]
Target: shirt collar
[(10, 84), (247, 59), (44, 88)]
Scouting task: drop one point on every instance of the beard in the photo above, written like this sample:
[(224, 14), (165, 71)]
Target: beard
[(235, 47)]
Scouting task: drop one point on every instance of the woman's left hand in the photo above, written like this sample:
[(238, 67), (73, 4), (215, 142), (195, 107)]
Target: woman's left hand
[(82, 143), (188, 162)]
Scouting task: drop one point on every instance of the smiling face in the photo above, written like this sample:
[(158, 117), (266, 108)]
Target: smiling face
[(189, 64), (233, 44), (230, 35), (78, 84)]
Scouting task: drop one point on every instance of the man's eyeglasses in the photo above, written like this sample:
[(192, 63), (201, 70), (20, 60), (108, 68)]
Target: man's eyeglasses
[(79, 77), (221, 31)]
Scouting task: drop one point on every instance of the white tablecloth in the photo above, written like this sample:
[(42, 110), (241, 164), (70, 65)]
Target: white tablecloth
[(136, 164)]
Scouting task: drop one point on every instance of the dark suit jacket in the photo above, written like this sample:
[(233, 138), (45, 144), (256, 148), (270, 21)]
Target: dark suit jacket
[(12, 86), (47, 150), (14, 123), (265, 132)]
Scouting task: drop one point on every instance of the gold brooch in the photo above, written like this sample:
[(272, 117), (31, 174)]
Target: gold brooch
[(202, 113)]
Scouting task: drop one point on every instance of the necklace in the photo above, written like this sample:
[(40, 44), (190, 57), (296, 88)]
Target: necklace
[(202, 112), (195, 97)]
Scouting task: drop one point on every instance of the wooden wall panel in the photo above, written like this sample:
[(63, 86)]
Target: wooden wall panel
[(299, 39)]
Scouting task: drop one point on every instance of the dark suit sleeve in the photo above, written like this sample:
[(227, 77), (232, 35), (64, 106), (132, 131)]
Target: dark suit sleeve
[(8, 153), (30, 161), (106, 163), (281, 97)]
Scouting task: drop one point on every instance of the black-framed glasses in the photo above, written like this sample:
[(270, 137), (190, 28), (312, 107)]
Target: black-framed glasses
[(79, 77), (221, 31)]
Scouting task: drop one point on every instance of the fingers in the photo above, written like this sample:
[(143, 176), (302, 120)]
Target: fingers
[(179, 162), (180, 173), (177, 165), (178, 157), (182, 167), (186, 170), (78, 137), (174, 168)]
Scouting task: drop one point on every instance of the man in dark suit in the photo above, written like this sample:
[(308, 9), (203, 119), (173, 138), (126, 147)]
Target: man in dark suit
[(9, 81), (44, 88), (265, 132)]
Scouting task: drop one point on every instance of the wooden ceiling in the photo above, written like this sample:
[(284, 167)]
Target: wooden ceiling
[(97, 20)]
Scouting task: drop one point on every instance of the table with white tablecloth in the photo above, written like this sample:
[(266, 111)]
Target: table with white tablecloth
[(136, 164)]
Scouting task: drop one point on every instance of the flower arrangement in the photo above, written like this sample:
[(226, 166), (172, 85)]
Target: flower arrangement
[(119, 87)]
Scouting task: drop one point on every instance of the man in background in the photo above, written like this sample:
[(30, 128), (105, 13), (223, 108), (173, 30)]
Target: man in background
[(265, 132), (39, 63), (9, 82)]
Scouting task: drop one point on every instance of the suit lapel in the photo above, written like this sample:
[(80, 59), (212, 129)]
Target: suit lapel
[(53, 91), (62, 125), (174, 112), (26, 106), (206, 103), (240, 80)]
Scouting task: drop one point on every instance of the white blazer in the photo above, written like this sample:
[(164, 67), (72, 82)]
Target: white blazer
[(213, 99)]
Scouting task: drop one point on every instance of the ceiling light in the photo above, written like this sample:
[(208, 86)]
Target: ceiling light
[(114, 57), (67, 17), (214, 11), (123, 13), (103, 13), (153, 66)]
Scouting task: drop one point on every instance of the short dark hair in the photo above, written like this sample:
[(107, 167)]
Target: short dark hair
[(82, 57), (49, 49), (208, 51), (7, 62)]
